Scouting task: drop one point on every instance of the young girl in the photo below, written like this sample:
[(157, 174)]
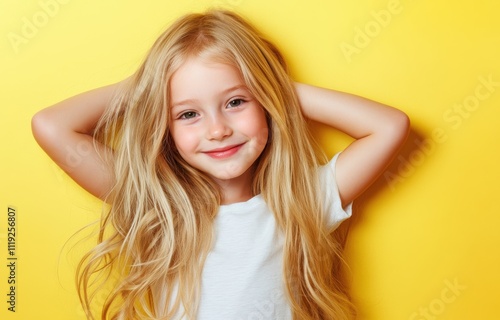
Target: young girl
[(220, 205)]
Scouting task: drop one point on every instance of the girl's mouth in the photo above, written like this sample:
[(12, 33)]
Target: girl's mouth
[(224, 152)]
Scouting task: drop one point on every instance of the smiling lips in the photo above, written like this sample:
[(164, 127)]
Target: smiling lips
[(224, 152)]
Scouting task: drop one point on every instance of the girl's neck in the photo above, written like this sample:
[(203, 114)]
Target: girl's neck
[(233, 197), (237, 189)]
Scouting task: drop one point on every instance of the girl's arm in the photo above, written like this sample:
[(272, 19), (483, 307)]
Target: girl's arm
[(379, 131), (64, 131)]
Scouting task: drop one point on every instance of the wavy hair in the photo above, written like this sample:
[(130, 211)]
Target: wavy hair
[(159, 229)]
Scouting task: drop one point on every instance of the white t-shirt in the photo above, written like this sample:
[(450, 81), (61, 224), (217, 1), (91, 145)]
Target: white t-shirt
[(242, 276)]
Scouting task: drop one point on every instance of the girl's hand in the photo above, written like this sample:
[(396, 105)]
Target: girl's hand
[(379, 131)]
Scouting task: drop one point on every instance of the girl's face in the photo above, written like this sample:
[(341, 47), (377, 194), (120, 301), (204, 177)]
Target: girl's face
[(217, 125)]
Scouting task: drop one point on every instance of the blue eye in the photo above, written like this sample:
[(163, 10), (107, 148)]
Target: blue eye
[(188, 115), (235, 102)]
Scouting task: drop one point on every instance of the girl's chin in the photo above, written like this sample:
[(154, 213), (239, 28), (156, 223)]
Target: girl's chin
[(236, 175)]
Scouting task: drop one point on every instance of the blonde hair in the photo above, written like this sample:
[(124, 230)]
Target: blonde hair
[(158, 231)]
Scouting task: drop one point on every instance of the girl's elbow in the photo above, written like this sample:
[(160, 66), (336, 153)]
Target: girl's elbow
[(403, 122), (395, 129), (37, 124), (41, 127), (400, 127)]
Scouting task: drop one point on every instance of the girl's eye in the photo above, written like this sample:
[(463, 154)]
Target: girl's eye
[(188, 115), (235, 103)]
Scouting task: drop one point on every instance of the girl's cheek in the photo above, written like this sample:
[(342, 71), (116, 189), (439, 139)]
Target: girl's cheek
[(257, 124), (187, 139), (176, 134)]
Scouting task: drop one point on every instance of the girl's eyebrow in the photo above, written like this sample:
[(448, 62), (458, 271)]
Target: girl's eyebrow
[(234, 88), (183, 102), (223, 92)]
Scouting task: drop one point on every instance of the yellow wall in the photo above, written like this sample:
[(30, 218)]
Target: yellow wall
[(423, 242)]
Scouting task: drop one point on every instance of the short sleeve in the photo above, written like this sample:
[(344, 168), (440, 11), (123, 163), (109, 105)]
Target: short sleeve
[(332, 203)]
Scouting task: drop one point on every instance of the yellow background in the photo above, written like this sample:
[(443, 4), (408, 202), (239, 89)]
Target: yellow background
[(423, 243)]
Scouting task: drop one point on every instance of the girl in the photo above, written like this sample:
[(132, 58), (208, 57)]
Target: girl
[(220, 206)]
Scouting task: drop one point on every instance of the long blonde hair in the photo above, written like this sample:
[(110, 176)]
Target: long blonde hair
[(158, 231)]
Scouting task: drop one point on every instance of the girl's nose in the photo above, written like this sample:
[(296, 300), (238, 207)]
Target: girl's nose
[(218, 128)]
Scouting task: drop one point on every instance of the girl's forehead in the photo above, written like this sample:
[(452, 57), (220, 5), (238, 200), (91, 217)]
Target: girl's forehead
[(197, 75), (209, 60), (200, 79)]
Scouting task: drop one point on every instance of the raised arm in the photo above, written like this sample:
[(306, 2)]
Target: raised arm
[(64, 131), (379, 131)]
